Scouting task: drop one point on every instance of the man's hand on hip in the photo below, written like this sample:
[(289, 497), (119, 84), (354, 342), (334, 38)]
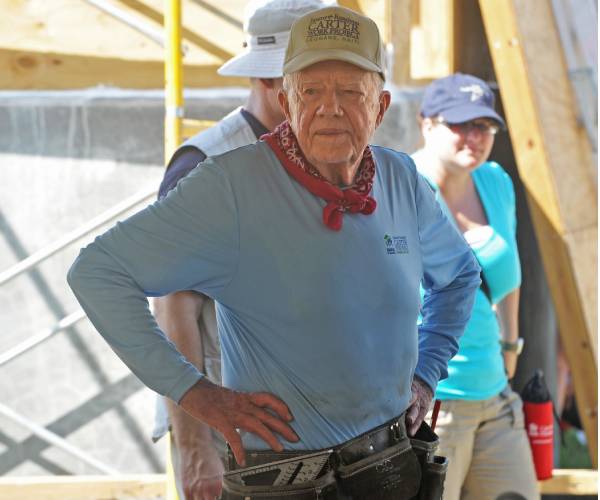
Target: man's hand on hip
[(419, 405), (227, 410)]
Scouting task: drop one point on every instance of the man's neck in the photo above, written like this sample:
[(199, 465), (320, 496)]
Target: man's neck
[(341, 175), (261, 111)]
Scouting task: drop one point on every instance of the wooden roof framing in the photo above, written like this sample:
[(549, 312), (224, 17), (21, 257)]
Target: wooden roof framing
[(70, 44)]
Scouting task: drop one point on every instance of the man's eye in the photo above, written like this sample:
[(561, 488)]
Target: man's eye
[(310, 91)]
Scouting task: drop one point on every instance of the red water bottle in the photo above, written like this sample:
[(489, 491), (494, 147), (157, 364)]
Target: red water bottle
[(537, 405)]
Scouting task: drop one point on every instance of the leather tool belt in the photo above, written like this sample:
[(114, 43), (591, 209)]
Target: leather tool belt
[(381, 464)]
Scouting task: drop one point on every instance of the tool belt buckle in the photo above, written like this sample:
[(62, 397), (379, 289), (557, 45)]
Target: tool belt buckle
[(396, 433)]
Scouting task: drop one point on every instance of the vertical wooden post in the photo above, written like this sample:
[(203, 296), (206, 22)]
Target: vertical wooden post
[(422, 34), (398, 14), (553, 156)]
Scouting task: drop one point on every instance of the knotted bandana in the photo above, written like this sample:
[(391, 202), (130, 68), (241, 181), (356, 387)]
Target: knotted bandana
[(354, 199)]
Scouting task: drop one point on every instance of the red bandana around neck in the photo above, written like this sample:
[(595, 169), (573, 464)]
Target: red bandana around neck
[(355, 199)]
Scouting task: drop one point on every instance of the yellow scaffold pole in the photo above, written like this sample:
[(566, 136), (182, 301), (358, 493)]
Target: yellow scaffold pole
[(173, 129), (173, 77)]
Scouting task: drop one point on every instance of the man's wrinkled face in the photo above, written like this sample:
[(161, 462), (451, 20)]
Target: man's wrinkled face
[(334, 108)]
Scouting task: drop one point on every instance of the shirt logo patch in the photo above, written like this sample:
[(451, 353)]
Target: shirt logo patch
[(395, 244)]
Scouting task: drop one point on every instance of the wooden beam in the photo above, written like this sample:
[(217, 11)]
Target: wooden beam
[(351, 4), (399, 20), (201, 41), (66, 44), (554, 159), (21, 70), (423, 36), (571, 482), (564, 481), (432, 40), (83, 487)]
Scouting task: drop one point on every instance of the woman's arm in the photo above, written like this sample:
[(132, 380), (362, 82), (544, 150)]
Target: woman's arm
[(508, 316)]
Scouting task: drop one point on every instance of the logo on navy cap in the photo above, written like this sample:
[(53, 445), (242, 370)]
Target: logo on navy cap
[(476, 91)]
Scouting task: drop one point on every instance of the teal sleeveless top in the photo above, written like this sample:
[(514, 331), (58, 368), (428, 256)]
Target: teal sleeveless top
[(477, 370)]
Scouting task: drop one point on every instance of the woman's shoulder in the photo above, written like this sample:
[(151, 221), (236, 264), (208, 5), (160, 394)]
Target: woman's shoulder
[(494, 171), (492, 176)]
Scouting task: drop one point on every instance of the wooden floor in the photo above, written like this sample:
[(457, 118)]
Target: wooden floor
[(146, 486)]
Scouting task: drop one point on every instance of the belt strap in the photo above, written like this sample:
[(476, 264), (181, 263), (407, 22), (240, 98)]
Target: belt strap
[(373, 441), (370, 442)]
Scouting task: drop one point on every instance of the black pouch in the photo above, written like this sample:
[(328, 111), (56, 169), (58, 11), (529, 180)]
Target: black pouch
[(424, 443), (323, 488), (391, 474), (432, 482)]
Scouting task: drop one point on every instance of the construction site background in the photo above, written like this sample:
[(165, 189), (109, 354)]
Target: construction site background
[(81, 130)]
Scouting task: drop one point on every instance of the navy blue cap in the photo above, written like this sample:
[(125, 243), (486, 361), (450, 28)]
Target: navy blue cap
[(459, 98)]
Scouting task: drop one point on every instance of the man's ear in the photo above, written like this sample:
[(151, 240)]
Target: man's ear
[(284, 103), (384, 103), (268, 83)]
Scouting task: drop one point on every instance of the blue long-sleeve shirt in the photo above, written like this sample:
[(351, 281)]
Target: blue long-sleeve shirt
[(325, 320)]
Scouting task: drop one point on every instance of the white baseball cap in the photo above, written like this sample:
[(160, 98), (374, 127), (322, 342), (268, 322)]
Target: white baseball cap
[(267, 26)]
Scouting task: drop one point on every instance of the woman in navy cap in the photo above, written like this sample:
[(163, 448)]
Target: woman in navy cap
[(481, 423)]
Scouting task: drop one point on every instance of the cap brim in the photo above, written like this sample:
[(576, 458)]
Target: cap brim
[(466, 113), (255, 64), (308, 58)]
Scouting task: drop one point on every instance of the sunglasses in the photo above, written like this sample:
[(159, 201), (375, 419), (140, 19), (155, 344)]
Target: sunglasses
[(483, 127)]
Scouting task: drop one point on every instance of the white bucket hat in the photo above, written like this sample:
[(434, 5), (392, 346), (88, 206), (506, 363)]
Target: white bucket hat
[(267, 26)]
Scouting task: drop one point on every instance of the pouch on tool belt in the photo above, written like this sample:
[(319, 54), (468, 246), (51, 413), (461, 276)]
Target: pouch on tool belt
[(299, 477), (424, 443), (323, 488), (393, 473), (432, 479), (433, 468)]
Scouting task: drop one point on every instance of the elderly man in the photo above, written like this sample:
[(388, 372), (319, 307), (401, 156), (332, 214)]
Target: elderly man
[(186, 317), (313, 245)]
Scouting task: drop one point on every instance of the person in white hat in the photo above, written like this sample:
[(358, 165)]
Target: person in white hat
[(313, 244), (188, 318)]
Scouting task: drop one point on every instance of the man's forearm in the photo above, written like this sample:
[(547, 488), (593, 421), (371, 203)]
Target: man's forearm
[(445, 315)]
